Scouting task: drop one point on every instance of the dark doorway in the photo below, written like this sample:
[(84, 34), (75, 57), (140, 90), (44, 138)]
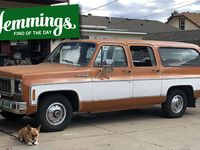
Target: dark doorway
[(23, 52)]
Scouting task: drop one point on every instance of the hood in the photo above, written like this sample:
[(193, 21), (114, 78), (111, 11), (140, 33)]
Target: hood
[(42, 70)]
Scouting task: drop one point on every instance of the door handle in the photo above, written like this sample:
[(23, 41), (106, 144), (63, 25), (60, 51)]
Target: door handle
[(126, 71), (156, 70)]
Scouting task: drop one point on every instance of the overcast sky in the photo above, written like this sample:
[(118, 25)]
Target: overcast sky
[(138, 9)]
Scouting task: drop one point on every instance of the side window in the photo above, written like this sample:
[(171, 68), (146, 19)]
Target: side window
[(111, 55), (175, 57), (142, 56)]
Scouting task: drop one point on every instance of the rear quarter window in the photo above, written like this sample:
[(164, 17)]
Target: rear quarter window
[(179, 57)]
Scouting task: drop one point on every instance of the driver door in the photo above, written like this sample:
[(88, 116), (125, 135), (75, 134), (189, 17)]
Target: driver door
[(112, 90)]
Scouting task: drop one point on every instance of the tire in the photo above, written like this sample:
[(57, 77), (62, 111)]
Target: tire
[(175, 104), (54, 113), (11, 116)]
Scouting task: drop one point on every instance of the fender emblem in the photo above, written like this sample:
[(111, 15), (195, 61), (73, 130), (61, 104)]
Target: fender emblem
[(84, 75)]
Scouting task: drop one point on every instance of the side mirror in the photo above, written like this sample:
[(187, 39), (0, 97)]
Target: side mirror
[(107, 68)]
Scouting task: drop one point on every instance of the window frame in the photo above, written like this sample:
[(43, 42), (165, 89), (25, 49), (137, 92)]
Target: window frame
[(107, 44), (182, 23), (152, 49), (176, 48)]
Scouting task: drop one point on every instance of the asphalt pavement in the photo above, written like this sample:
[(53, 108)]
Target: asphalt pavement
[(144, 129)]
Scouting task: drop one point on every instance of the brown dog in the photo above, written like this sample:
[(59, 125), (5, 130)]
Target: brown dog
[(29, 135)]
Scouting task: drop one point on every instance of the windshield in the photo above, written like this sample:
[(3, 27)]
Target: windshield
[(74, 53)]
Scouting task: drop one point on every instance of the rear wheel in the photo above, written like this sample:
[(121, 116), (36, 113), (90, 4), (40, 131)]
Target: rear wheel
[(175, 104), (11, 116), (54, 113)]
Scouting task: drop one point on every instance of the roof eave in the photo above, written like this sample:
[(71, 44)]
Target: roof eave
[(115, 32)]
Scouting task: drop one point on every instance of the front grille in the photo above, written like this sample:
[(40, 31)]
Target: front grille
[(5, 86)]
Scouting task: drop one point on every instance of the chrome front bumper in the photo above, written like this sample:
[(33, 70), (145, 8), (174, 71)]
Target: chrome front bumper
[(13, 106)]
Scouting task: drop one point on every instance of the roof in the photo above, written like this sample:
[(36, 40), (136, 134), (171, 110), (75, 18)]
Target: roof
[(42, 1), (29, 3), (11, 4), (128, 25), (192, 36), (146, 42), (193, 17)]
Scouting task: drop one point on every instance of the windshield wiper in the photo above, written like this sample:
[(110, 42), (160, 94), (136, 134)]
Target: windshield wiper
[(49, 61), (68, 61)]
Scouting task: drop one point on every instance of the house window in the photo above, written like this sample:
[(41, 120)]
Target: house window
[(182, 23)]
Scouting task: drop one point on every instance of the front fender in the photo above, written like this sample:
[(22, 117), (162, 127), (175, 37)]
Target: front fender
[(83, 89)]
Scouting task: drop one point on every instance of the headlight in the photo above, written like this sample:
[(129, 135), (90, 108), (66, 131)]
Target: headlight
[(18, 87)]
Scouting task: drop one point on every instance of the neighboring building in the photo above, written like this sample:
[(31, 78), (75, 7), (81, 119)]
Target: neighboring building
[(95, 27), (185, 21), (192, 36), (92, 27), (189, 23)]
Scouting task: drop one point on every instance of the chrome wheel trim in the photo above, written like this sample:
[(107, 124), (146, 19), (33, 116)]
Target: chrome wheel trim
[(177, 104), (56, 113)]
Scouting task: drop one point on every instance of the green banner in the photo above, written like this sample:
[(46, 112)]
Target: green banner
[(40, 23)]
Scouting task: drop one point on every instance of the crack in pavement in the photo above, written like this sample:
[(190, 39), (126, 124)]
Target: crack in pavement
[(150, 129), (155, 144)]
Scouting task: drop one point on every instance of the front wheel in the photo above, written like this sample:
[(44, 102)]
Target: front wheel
[(175, 104), (54, 113)]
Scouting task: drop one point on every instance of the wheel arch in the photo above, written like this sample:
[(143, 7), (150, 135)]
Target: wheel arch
[(70, 94), (189, 91)]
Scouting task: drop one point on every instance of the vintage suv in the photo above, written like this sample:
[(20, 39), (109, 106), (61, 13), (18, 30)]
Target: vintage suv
[(102, 75)]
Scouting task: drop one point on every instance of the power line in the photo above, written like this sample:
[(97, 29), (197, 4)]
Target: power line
[(168, 10), (100, 6), (156, 13)]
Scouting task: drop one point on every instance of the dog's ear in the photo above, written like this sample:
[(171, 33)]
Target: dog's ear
[(28, 127), (38, 128)]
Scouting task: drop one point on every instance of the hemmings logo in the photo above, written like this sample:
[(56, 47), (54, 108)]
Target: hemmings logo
[(57, 23), (40, 23)]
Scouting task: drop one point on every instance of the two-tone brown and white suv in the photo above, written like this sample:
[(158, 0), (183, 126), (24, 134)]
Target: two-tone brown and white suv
[(102, 75)]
